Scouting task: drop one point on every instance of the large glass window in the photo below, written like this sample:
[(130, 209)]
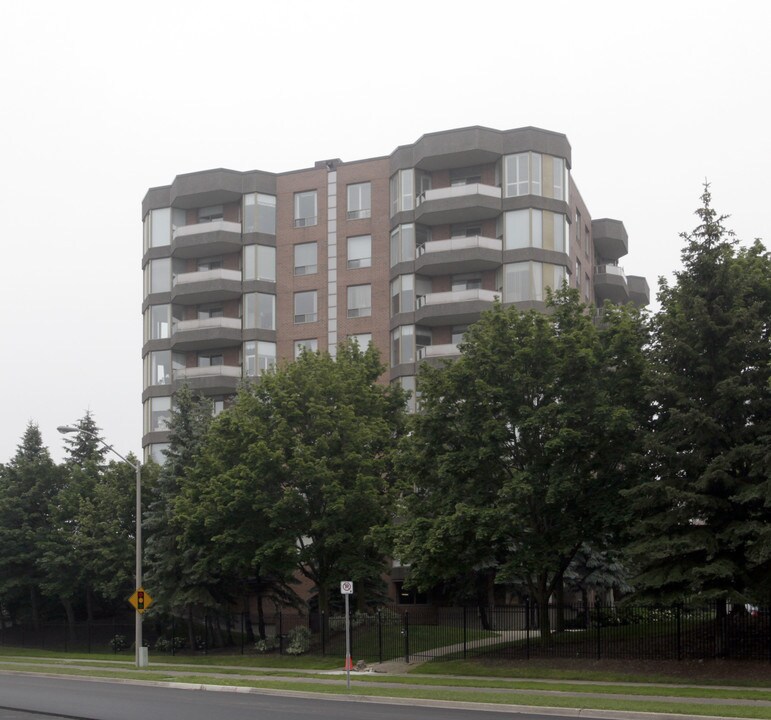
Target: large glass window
[(157, 452), (404, 240), (305, 307), (260, 262), (527, 281), (359, 251), (534, 228), (406, 340), (522, 174), (402, 191), (260, 311), (160, 413), (466, 281), (311, 345), (159, 317), (259, 213), (305, 208), (160, 230), (559, 180), (362, 340), (359, 301), (159, 367), (403, 294), (160, 275), (305, 258), (359, 201), (259, 357)]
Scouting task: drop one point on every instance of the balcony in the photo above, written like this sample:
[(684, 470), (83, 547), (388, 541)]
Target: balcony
[(639, 292), (610, 239), (444, 257), (218, 237), (460, 307), (458, 203), (213, 380), (206, 333), (610, 284), (205, 286)]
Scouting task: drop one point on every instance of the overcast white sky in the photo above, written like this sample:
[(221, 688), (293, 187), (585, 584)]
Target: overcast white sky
[(102, 100)]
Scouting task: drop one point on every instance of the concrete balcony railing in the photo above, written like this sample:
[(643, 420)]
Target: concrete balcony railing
[(457, 296), (200, 276), (215, 323), (430, 352), (456, 191), (206, 227), (616, 270), (217, 371), (460, 243)]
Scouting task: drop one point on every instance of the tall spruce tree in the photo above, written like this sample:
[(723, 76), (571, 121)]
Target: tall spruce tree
[(705, 512)]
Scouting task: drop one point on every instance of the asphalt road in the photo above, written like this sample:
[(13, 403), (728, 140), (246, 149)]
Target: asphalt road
[(26, 697)]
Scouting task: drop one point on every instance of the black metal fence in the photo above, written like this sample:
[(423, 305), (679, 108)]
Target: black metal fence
[(624, 632)]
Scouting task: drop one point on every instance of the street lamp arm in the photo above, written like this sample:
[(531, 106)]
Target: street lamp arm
[(67, 429)]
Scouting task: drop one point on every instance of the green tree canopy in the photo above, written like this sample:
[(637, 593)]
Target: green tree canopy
[(522, 445)]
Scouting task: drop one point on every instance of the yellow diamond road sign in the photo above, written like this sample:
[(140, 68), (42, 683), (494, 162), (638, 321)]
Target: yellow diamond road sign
[(141, 600)]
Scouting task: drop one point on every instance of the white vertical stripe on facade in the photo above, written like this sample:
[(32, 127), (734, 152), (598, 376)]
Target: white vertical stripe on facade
[(332, 266)]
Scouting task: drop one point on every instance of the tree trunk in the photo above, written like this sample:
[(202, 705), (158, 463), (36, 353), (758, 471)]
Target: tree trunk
[(559, 597), (260, 617), (248, 621), (191, 628), (541, 593), (720, 622), (70, 613)]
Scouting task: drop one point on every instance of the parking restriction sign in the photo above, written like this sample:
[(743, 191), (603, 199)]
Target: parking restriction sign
[(346, 587)]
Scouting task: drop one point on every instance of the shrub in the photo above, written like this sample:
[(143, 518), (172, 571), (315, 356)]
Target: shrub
[(119, 643), (299, 640), (266, 645)]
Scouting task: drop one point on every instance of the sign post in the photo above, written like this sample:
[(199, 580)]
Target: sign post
[(346, 590)]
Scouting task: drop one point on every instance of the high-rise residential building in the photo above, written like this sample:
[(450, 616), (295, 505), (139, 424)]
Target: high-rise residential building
[(244, 268)]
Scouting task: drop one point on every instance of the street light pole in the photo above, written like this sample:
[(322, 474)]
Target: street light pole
[(140, 657)]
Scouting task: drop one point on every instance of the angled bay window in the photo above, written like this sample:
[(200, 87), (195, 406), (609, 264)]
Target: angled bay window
[(158, 319), (259, 213), (158, 414), (259, 357), (305, 213), (359, 301), (260, 263), (158, 368), (404, 240), (522, 174), (527, 281), (534, 228), (403, 294), (359, 201), (260, 311), (160, 227), (305, 307), (406, 341), (159, 275)]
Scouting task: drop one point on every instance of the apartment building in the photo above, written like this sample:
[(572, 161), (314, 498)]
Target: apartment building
[(242, 269)]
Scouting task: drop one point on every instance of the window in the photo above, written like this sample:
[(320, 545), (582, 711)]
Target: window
[(217, 405), (206, 312), (210, 214), (259, 212), (260, 311), (359, 301), (160, 227), (305, 307), (578, 228), (402, 191), (210, 359), (458, 331), (159, 318), (260, 263), (362, 340), (259, 357), (359, 201), (579, 276), (403, 294), (403, 345), (466, 282), (559, 191), (305, 258), (407, 383), (305, 208), (159, 367), (160, 275), (404, 240), (212, 263), (465, 176), (157, 452), (522, 174), (527, 281), (359, 251), (534, 228), (309, 345), (465, 230), (160, 413)]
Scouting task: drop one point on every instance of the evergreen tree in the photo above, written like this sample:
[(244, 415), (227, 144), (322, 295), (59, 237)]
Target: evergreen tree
[(705, 517)]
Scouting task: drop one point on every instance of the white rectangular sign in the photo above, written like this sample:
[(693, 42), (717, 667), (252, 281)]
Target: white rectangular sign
[(346, 587)]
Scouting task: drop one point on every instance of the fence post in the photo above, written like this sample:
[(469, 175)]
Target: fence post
[(323, 633), (679, 635), (379, 635), (280, 633), (527, 628), (114, 633), (406, 633), (173, 651), (88, 635), (242, 631), (206, 633), (464, 632), (599, 625)]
